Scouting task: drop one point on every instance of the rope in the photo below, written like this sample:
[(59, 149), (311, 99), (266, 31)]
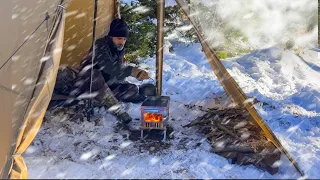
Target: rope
[(61, 6), (12, 91), (45, 19)]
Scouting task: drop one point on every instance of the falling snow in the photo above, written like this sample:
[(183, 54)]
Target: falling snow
[(283, 84), (67, 148)]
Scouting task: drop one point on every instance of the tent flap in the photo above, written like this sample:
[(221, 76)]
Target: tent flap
[(24, 34), (40, 100), (31, 71)]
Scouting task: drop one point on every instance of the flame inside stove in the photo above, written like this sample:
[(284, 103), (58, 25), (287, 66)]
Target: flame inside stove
[(152, 117)]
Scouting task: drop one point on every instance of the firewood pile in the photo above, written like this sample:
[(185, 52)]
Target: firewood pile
[(233, 136)]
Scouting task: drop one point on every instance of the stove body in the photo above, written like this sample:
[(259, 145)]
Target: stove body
[(155, 114)]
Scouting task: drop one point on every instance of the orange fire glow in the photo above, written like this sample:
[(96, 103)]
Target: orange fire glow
[(152, 117)]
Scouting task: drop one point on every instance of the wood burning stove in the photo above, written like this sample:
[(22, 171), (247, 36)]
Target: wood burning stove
[(155, 114)]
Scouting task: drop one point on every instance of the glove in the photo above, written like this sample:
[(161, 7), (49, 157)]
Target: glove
[(139, 74)]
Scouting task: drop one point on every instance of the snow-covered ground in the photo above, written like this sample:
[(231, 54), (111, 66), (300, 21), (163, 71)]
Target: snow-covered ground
[(286, 85)]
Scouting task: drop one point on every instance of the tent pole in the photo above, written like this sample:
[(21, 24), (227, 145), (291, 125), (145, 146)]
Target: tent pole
[(93, 55), (160, 37), (117, 9)]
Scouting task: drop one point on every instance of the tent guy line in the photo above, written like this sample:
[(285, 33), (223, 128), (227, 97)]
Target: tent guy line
[(28, 37)]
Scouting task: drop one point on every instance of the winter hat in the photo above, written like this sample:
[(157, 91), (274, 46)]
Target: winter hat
[(118, 28)]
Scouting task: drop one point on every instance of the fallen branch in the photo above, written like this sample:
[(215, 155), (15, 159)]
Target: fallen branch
[(231, 149), (228, 131)]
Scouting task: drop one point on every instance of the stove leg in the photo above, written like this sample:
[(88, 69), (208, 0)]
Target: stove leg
[(141, 134), (164, 136)]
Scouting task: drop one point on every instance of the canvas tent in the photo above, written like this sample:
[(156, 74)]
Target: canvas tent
[(37, 37), (47, 31)]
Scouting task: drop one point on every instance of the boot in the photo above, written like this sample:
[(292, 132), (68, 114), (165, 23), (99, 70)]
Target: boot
[(124, 118), (106, 98)]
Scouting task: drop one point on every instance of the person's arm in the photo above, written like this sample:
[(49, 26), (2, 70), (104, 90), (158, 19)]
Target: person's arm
[(125, 71)]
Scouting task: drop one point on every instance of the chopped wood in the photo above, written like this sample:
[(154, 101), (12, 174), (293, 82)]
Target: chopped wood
[(227, 131), (232, 135)]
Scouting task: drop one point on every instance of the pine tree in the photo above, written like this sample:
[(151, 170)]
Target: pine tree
[(141, 17)]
